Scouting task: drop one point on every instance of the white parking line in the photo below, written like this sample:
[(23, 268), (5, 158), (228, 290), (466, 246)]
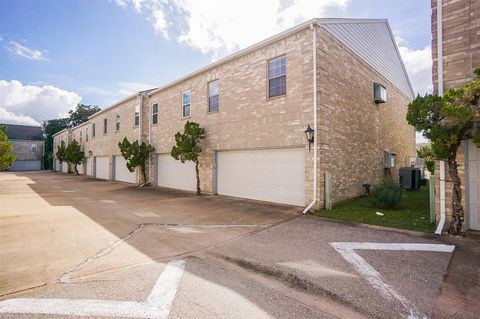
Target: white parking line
[(157, 306), (347, 250)]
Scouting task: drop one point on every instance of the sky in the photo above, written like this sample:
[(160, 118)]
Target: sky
[(55, 54)]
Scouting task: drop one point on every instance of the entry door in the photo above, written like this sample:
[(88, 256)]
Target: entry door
[(474, 185)]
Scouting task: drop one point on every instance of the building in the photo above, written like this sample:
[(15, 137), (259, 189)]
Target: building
[(62, 137), (28, 146), (456, 52), (343, 77)]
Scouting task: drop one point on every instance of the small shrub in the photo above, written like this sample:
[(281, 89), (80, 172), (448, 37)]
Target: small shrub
[(387, 194)]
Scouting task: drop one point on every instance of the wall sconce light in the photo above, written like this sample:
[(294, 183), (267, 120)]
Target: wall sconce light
[(309, 135)]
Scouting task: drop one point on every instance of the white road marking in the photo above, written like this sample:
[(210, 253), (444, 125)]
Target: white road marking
[(157, 306), (347, 250)]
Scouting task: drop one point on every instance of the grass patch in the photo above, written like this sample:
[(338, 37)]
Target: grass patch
[(412, 214)]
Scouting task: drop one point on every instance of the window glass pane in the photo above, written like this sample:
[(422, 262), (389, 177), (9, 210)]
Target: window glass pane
[(186, 98), (155, 108), (186, 110), (277, 70), (155, 118), (213, 88), (277, 86), (213, 103)]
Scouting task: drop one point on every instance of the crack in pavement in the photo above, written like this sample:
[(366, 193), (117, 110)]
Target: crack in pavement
[(65, 278)]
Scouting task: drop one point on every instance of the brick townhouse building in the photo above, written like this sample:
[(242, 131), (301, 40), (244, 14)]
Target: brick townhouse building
[(455, 53), (342, 77)]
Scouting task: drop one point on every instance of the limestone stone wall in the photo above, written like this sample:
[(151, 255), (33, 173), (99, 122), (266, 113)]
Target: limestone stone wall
[(23, 150)]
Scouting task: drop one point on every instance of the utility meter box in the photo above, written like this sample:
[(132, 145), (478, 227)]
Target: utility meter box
[(389, 159)]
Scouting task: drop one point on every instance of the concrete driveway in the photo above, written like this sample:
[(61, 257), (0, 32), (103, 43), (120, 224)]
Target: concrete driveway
[(72, 246)]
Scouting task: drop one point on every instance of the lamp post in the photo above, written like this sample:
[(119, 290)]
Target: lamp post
[(309, 135)]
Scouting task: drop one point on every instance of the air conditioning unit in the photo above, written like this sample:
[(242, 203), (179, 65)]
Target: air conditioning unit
[(389, 159), (379, 93)]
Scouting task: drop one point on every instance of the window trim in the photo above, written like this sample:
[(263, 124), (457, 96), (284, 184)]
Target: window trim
[(208, 96), (105, 126), (190, 105), (153, 114), (93, 130), (32, 146), (268, 79), (136, 115)]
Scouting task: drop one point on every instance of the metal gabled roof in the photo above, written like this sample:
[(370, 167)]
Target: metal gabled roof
[(372, 40)]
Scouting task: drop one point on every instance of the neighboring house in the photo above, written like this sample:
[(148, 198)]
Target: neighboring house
[(456, 40), (255, 106), (28, 146)]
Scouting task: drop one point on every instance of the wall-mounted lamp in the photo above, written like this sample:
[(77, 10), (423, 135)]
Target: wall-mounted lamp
[(309, 135), (90, 153)]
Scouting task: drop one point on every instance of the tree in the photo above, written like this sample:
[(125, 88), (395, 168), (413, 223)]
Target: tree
[(81, 113), (74, 154), (447, 120), (50, 128), (187, 146), (427, 154), (136, 154), (6, 157), (61, 154)]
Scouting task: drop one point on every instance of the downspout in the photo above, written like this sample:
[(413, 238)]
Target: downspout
[(441, 223), (315, 139)]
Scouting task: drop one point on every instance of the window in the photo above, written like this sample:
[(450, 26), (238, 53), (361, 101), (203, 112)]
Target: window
[(93, 129), (155, 113), (213, 92), (104, 126), (80, 137), (86, 135), (34, 148), (117, 122), (277, 77), (186, 100), (137, 115)]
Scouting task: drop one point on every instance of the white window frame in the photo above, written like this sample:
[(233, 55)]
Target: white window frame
[(189, 105), (117, 122), (34, 148), (105, 126), (275, 77), (154, 113), (93, 130), (136, 116), (209, 96)]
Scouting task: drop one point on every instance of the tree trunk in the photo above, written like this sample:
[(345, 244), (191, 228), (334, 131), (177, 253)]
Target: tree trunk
[(457, 208), (199, 191), (76, 170), (144, 174)]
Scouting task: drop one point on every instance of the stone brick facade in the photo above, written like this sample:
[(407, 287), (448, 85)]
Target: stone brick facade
[(25, 151), (461, 54), (353, 131)]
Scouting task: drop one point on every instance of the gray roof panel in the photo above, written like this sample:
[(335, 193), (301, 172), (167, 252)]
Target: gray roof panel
[(372, 40)]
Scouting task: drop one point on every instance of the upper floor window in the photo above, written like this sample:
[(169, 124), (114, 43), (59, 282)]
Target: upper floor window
[(105, 126), (93, 129), (137, 115), (34, 148), (213, 92), (186, 102), (117, 122), (155, 113), (277, 77), (80, 136), (86, 135), (379, 93)]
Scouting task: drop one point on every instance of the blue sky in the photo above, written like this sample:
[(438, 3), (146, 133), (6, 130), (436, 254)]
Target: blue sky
[(54, 54)]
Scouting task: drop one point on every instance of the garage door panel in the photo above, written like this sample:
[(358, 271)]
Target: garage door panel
[(122, 173), (276, 175), (175, 174), (102, 164)]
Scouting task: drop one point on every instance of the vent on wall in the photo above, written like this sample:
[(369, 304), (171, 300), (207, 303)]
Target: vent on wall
[(379, 93)]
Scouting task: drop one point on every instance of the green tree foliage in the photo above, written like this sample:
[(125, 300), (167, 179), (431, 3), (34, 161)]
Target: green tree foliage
[(427, 154), (61, 154), (187, 146), (446, 121), (6, 157), (136, 154), (81, 113), (50, 128), (74, 154)]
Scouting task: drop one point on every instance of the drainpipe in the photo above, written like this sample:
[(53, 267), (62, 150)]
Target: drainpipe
[(315, 139), (441, 223)]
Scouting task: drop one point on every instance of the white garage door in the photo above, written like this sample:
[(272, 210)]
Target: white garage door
[(275, 175), (474, 185), (102, 167), (88, 170), (173, 174), (58, 166), (65, 167), (122, 173)]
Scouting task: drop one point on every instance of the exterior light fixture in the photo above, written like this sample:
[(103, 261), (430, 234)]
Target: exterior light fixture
[(309, 135)]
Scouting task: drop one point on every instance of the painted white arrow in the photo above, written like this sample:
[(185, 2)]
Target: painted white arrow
[(347, 250), (157, 306)]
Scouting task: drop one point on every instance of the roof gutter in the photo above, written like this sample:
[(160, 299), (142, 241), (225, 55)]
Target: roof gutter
[(315, 119)]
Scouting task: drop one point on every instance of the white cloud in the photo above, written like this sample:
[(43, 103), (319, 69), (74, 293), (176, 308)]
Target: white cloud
[(7, 117), (218, 27), (128, 88), (28, 102), (418, 63), (23, 51)]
